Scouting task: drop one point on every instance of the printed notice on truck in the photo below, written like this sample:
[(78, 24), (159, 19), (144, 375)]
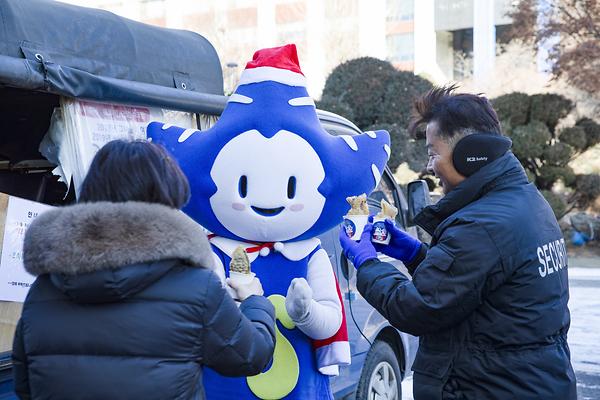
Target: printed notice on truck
[(89, 125), (17, 214)]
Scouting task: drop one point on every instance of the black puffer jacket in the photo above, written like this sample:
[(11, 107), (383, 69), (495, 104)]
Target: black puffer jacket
[(488, 298), (126, 306)]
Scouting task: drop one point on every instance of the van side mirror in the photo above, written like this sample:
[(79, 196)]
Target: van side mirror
[(418, 199)]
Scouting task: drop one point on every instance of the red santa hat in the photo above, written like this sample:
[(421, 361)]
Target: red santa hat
[(277, 64)]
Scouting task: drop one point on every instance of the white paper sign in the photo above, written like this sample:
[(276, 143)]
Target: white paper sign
[(89, 125), (14, 280)]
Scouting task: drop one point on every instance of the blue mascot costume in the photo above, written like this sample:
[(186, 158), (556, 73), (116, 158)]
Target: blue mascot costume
[(269, 178)]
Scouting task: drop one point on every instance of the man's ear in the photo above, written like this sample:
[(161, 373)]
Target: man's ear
[(475, 151)]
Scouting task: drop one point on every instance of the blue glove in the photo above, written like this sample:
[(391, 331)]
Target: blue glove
[(402, 246), (361, 251)]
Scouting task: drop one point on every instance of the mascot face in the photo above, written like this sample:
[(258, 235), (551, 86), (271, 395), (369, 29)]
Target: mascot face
[(264, 190), (267, 171)]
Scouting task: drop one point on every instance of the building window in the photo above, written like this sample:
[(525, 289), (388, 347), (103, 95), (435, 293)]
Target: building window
[(503, 34), (462, 46), (401, 47), (400, 10)]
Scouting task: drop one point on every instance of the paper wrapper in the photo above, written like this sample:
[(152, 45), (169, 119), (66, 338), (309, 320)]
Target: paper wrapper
[(358, 216), (380, 233), (241, 278), (354, 225)]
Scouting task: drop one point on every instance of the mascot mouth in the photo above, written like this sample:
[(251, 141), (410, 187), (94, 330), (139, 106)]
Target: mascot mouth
[(267, 212)]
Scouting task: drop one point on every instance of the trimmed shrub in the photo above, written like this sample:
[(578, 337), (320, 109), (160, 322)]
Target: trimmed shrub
[(544, 154), (530, 140), (374, 90), (404, 148), (550, 108), (374, 95), (559, 206), (588, 188), (333, 105), (401, 92), (513, 108), (574, 136), (361, 84), (530, 175), (592, 131), (558, 154), (549, 174)]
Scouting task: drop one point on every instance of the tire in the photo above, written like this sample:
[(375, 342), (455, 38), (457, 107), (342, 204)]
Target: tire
[(380, 375)]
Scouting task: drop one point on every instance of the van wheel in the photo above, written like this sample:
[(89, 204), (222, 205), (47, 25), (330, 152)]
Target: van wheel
[(380, 378)]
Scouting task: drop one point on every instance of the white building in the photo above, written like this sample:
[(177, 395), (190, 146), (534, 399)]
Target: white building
[(326, 32), (444, 40), (455, 39)]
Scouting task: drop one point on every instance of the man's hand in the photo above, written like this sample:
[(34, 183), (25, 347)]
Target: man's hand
[(298, 299), (361, 251), (402, 246)]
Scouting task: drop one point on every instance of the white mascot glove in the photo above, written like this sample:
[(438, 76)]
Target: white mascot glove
[(243, 291), (313, 303), (298, 301)]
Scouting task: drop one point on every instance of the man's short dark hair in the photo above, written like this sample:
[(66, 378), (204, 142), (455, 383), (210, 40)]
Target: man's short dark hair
[(135, 171), (456, 114)]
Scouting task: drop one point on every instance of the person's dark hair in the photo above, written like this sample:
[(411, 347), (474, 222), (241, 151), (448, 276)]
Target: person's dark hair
[(135, 171), (455, 113)]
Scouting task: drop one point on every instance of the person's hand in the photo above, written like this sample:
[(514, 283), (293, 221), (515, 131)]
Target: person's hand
[(298, 299), (402, 246), (361, 251), (245, 290)]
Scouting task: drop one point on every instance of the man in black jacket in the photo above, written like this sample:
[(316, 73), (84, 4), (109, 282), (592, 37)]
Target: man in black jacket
[(488, 297)]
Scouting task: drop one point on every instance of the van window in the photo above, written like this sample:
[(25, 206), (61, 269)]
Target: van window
[(384, 191)]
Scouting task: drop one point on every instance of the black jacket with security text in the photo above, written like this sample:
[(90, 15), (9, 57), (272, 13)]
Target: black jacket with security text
[(488, 298), (126, 306)]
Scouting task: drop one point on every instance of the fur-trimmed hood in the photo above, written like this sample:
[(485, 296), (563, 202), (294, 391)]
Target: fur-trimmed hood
[(100, 236)]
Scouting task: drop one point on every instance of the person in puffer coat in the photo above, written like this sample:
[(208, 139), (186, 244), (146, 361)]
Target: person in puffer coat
[(126, 304)]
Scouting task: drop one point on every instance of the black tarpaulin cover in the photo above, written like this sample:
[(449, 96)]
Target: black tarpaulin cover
[(88, 53)]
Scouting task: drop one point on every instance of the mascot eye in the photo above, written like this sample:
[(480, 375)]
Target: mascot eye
[(243, 186), (291, 192)]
